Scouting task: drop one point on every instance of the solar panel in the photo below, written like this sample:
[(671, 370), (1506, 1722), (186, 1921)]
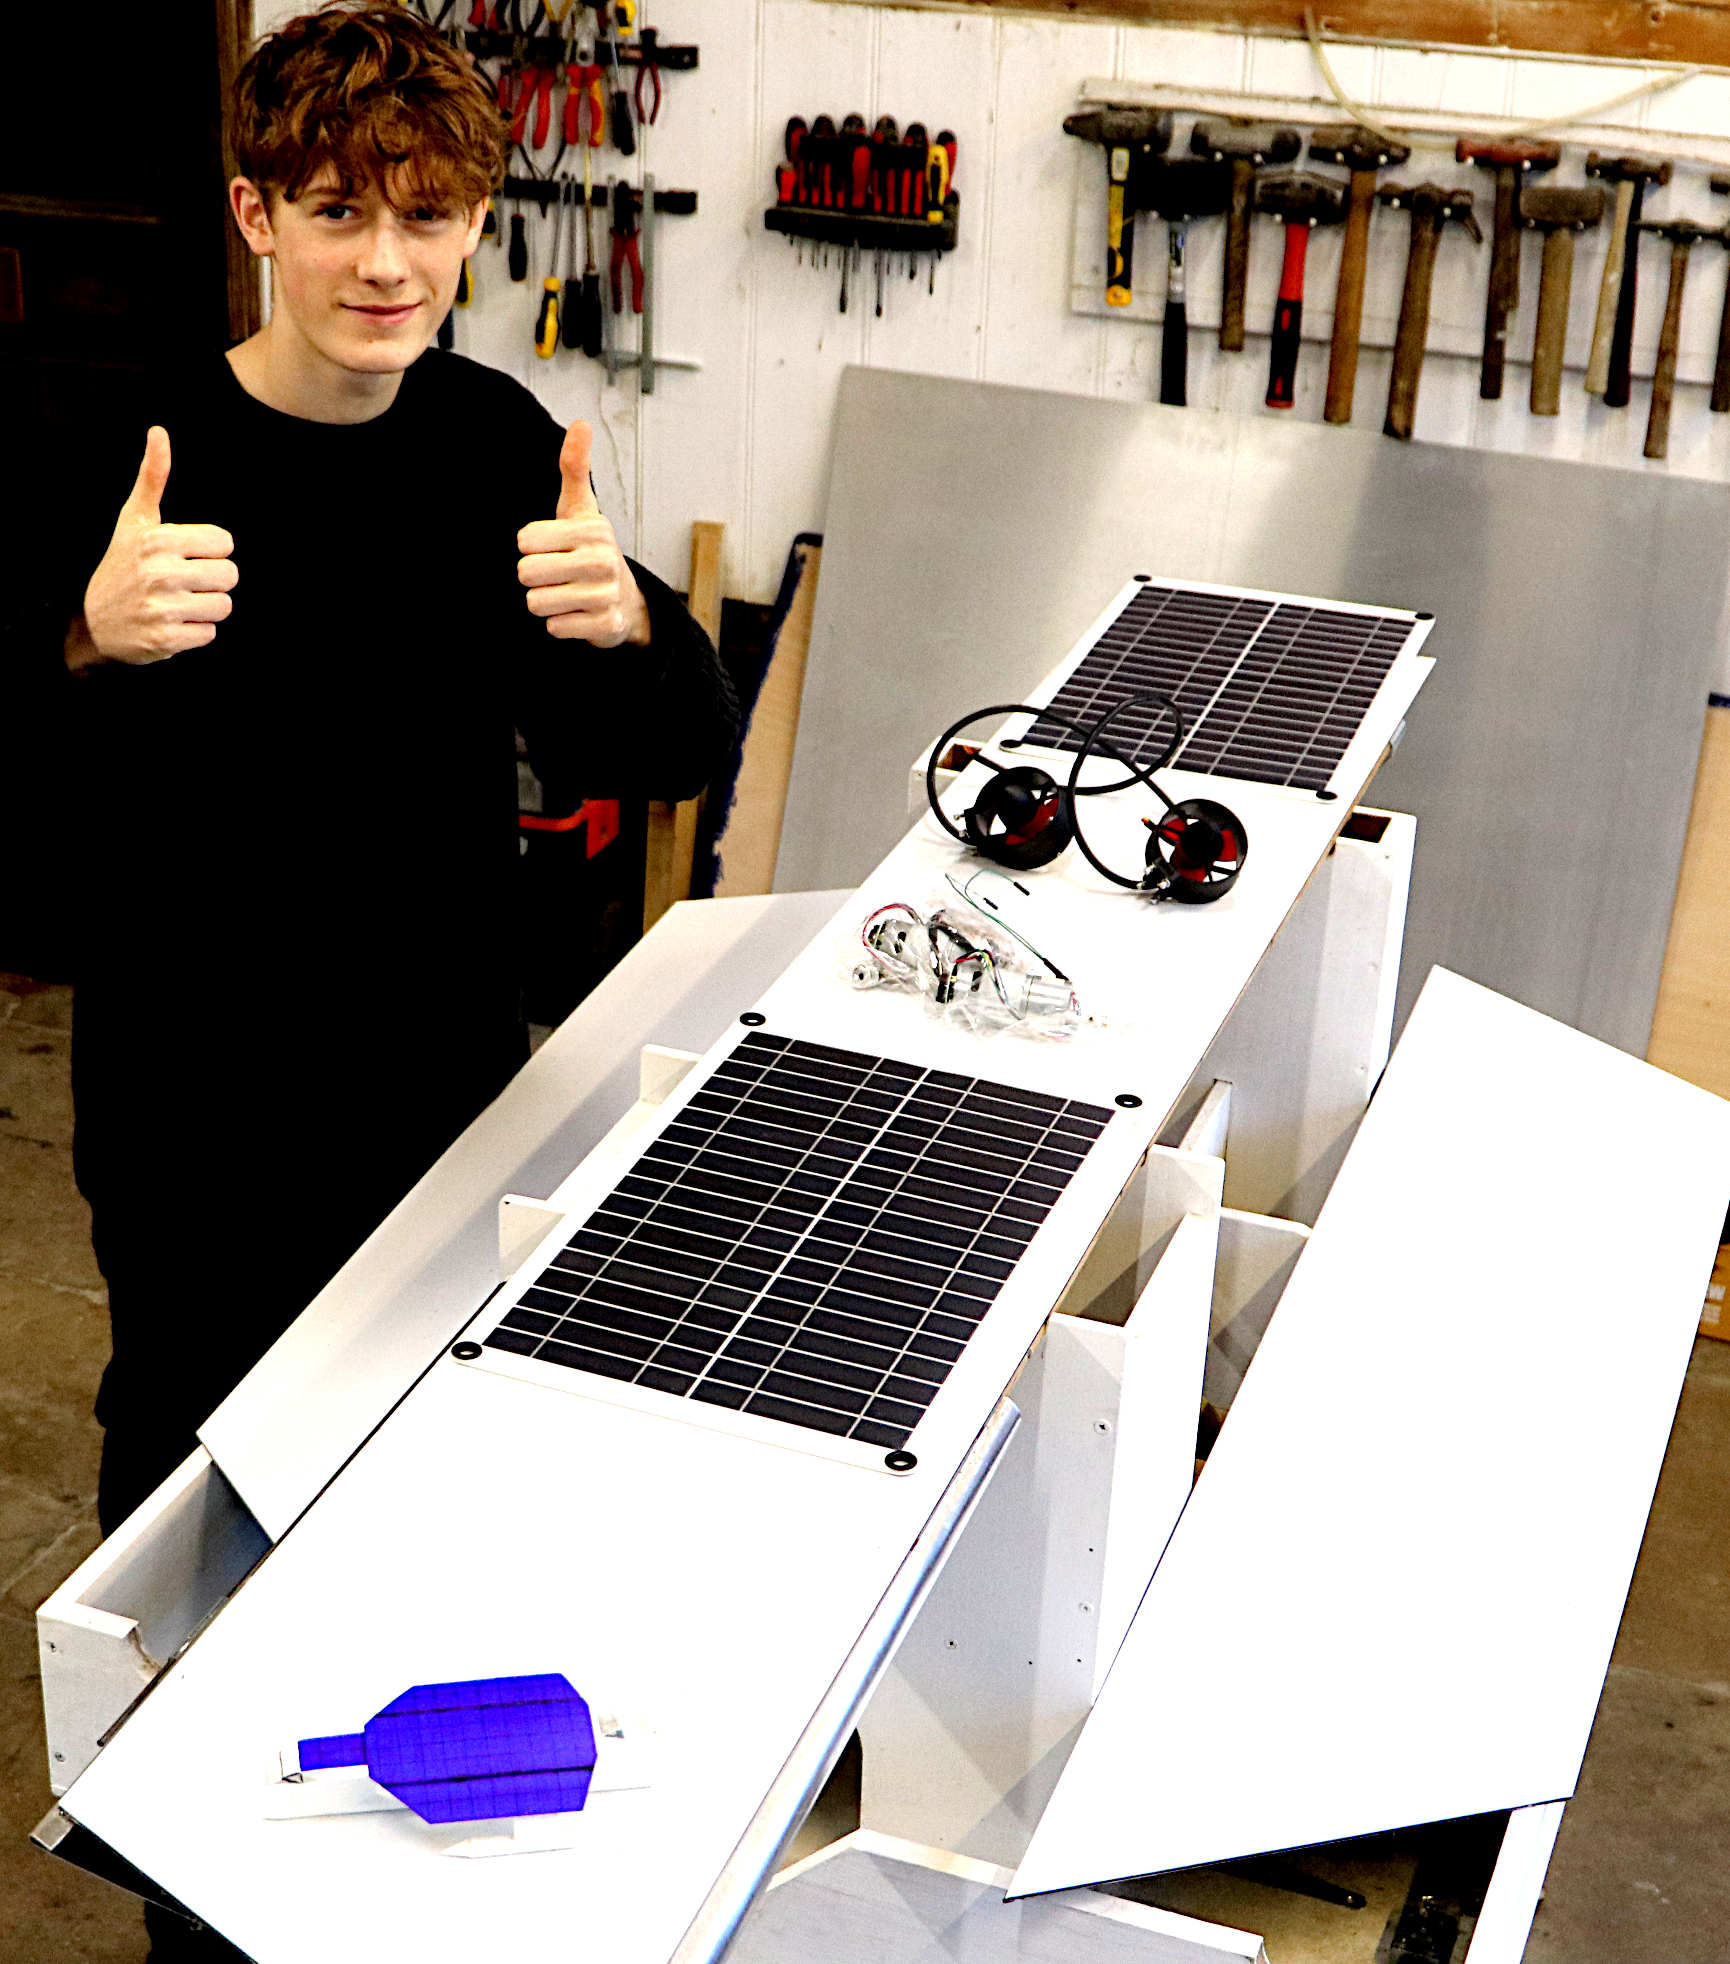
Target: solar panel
[(1271, 690), (813, 1238)]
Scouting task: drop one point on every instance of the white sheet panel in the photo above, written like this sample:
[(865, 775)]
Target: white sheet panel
[(1393, 1595)]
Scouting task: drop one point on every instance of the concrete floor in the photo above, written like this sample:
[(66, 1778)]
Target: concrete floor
[(1640, 1874)]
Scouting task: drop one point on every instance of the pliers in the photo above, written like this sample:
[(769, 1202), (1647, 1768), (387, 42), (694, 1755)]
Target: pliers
[(625, 250), (649, 70)]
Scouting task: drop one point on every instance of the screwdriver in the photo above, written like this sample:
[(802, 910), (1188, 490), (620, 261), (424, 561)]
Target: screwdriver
[(570, 315), (519, 253), (547, 327)]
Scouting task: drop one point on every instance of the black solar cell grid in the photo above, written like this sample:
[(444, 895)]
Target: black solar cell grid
[(813, 1238), (1273, 691)]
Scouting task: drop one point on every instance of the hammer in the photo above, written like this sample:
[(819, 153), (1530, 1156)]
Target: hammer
[(1363, 154), (1609, 369), (1683, 235), (1246, 147), (1721, 373), (1558, 211), (1431, 208), (1511, 161), (1303, 201), (1179, 189), (1128, 136)]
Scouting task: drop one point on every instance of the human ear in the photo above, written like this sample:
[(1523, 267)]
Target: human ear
[(251, 212), (477, 218)]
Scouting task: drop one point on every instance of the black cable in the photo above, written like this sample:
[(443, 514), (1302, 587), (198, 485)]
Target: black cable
[(1138, 774), (1067, 795)]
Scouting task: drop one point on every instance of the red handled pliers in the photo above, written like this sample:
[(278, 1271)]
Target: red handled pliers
[(649, 70), (624, 250)]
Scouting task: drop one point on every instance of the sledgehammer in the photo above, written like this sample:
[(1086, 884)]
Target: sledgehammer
[(1130, 138), (1246, 147)]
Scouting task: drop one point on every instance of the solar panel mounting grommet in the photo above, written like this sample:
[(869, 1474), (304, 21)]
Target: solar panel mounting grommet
[(753, 1018), (1327, 797), (1423, 617), (900, 1461), (1128, 1100), (468, 1352)]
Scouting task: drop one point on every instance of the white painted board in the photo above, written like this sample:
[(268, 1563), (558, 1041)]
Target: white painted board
[(875, 1899), (1393, 1595)]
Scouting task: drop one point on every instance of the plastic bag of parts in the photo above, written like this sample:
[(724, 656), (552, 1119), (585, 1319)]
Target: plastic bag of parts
[(967, 971)]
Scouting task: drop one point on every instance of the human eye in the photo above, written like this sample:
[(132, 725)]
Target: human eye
[(334, 211)]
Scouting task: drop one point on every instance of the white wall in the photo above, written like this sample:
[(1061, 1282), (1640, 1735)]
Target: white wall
[(746, 441)]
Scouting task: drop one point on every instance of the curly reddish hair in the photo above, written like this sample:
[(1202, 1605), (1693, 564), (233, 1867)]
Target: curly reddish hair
[(373, 92)]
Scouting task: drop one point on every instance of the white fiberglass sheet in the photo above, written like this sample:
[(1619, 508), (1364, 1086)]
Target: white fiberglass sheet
[(1393, 1595)]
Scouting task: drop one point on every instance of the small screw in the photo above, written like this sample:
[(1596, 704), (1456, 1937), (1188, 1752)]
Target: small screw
[(752, 1018), (468, 1352), (1100, 1425), (53, 1646), (1128, 1100), (57, 1755), (949, 1643)]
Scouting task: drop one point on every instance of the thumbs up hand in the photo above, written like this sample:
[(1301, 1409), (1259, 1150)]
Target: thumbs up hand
[(577, 578), (158, 589)]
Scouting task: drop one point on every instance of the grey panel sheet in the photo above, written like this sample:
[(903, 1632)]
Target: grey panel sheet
[(1549, 760)]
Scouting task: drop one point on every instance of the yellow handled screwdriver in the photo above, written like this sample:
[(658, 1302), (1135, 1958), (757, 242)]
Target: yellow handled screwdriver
[(547, 327)]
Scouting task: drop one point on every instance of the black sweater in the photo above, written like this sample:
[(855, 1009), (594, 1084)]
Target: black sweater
[(296, 968)]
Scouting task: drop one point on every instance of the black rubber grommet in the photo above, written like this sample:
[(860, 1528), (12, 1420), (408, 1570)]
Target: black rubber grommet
[(468, 1352), (900, 1461), (1425, 617), (752, 1018), (1010, 743), (1327, 797), (1128, 1100), (1143, 577)]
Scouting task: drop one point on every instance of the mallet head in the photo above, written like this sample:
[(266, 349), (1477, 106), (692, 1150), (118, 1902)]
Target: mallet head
[(1356, 148), (1627, 168), (1221, 140), (1507, 153), (1561, 207), (1299, 197), (1148, 130)]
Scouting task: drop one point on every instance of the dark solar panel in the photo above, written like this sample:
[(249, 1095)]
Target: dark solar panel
[(1273, 691), (813, 1238)]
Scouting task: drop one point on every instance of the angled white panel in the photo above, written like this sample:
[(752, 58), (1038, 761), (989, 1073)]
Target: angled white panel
[(1511, 1901), (1164, 1355), (874, 1899), (1472, 1374)]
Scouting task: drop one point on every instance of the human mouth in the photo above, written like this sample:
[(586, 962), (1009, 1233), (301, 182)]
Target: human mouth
[(386, 316)]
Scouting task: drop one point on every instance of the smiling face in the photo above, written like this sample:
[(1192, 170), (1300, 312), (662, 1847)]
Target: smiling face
[(361, 281)]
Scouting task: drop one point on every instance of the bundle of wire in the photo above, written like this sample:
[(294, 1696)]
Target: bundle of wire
[(965, 972)]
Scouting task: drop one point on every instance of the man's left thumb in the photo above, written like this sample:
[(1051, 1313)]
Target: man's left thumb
[(576, 493)]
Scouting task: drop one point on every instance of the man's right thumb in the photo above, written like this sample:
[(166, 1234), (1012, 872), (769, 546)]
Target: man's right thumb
[(145, 501)]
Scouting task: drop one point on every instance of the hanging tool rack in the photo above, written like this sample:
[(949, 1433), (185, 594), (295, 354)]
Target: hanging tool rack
[(883, 191)]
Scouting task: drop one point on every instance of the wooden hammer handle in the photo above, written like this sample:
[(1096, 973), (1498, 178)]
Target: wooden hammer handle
[(1349, 298), (1609, 291), (1554, 286), (1669, 339), (1236, 256), (1414, 328), (1721, 374), (1503, 295)]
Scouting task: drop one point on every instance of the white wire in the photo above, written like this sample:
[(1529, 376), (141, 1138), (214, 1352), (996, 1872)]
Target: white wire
[(1591, 114)]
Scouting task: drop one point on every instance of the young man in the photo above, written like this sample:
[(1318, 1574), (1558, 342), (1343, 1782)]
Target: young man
[(348, 569)]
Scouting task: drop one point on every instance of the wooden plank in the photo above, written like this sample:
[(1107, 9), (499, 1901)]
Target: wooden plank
[(751, 836), (673, 828), (1696, 31), (1690, 1029)]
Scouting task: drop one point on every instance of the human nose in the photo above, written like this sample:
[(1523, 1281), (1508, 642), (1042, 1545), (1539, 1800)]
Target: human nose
[(383, 260)]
